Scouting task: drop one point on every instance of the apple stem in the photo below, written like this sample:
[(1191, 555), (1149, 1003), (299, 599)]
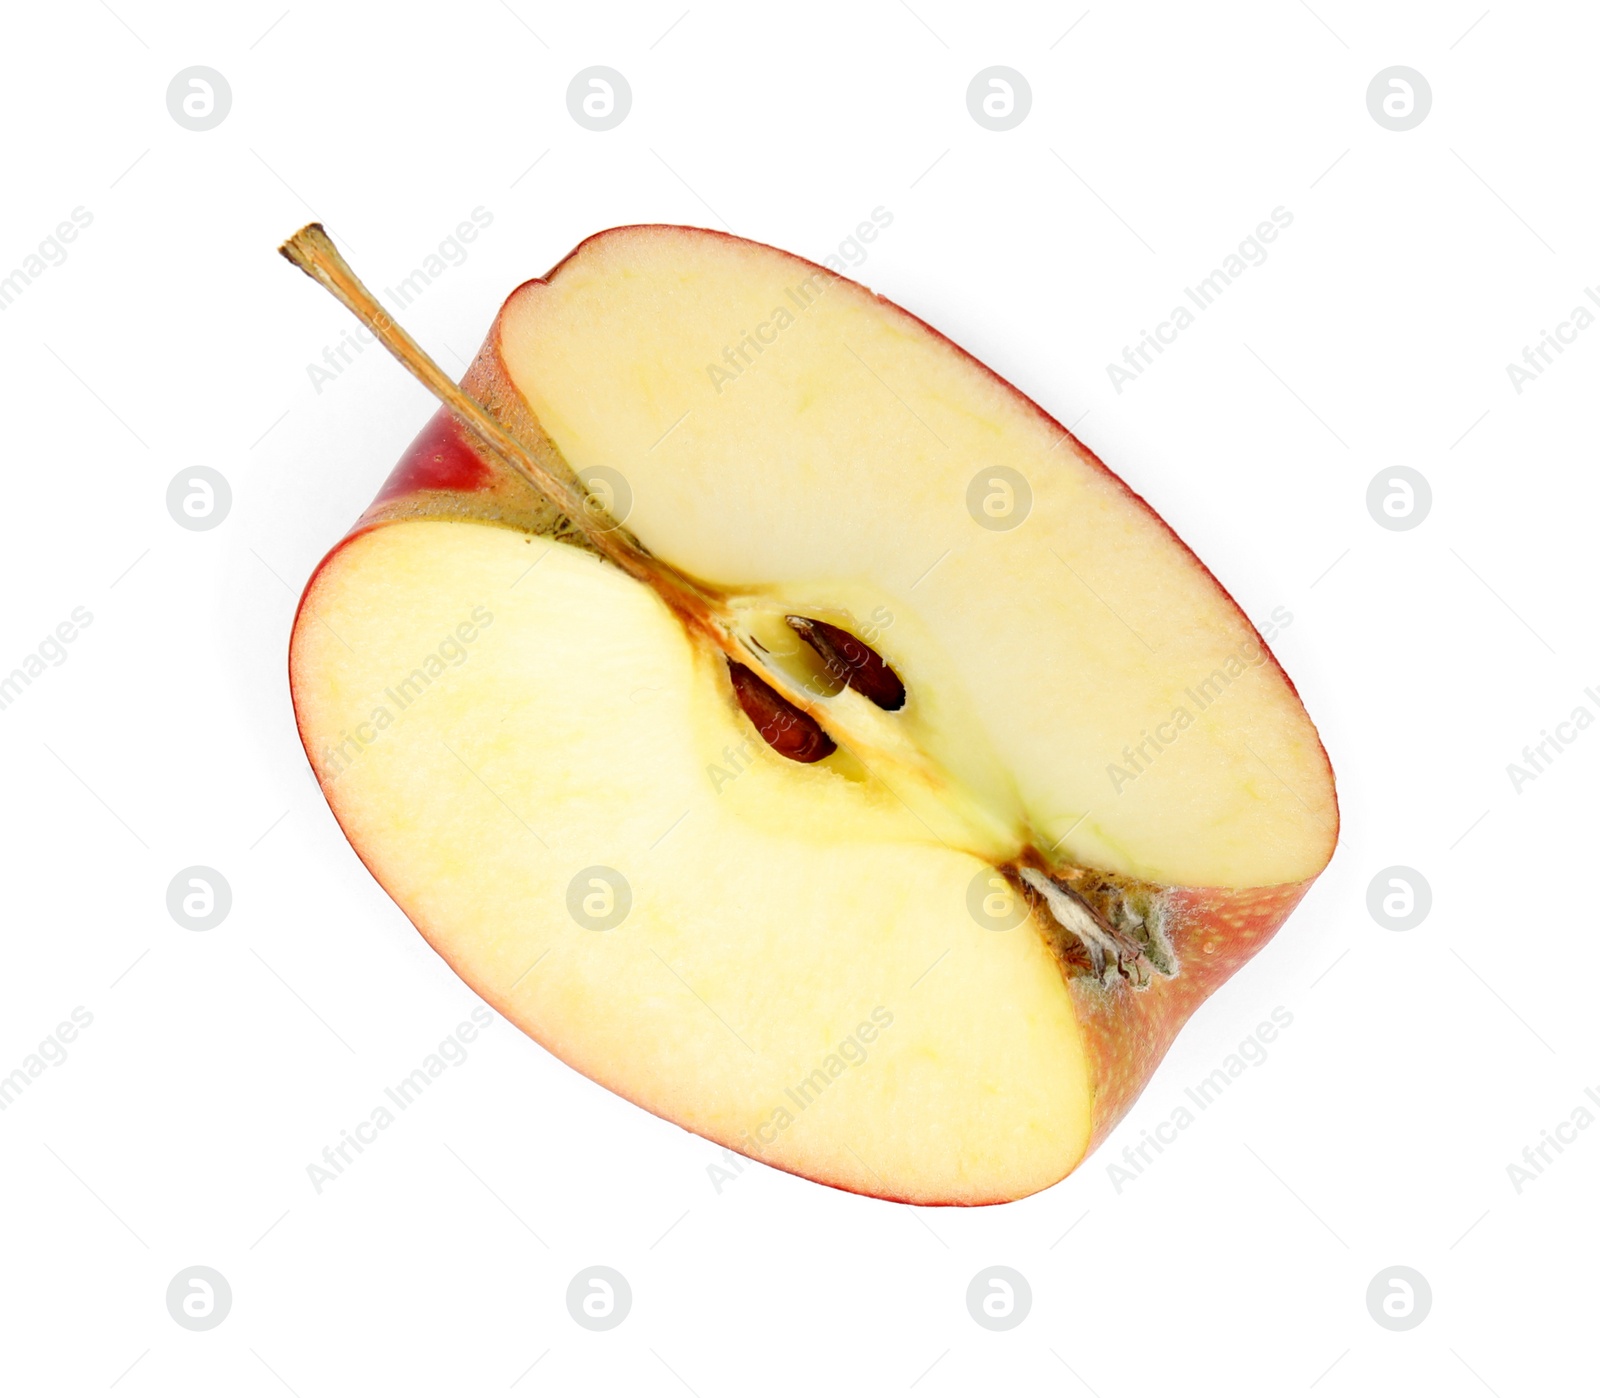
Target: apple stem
[(314, 253), (701, 608)]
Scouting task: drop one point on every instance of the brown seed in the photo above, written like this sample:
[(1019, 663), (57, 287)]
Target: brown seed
[(852, 660), (789, 731)]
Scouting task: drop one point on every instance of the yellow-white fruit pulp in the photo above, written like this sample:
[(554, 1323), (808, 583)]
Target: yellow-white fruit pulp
[(778, 429), (479, 765)]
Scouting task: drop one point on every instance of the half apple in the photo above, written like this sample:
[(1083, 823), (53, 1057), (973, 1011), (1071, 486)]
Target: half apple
[(887, 811)]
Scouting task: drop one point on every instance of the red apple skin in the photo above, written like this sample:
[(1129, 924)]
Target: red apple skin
[(1214, 931), (439, 459)]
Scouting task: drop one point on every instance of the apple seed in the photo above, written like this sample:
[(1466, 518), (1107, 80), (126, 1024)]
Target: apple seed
[(790, 732), (852, 660)]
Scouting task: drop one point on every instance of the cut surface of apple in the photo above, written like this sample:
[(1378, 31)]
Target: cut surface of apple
[(1064, 792)]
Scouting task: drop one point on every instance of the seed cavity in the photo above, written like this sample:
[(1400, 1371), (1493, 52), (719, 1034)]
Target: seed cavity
[(789, 731), (850, 659)]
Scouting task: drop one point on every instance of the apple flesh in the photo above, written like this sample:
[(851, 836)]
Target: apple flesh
[(910, 897)]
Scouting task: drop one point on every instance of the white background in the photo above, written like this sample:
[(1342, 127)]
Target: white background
[(1419, 1064)]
